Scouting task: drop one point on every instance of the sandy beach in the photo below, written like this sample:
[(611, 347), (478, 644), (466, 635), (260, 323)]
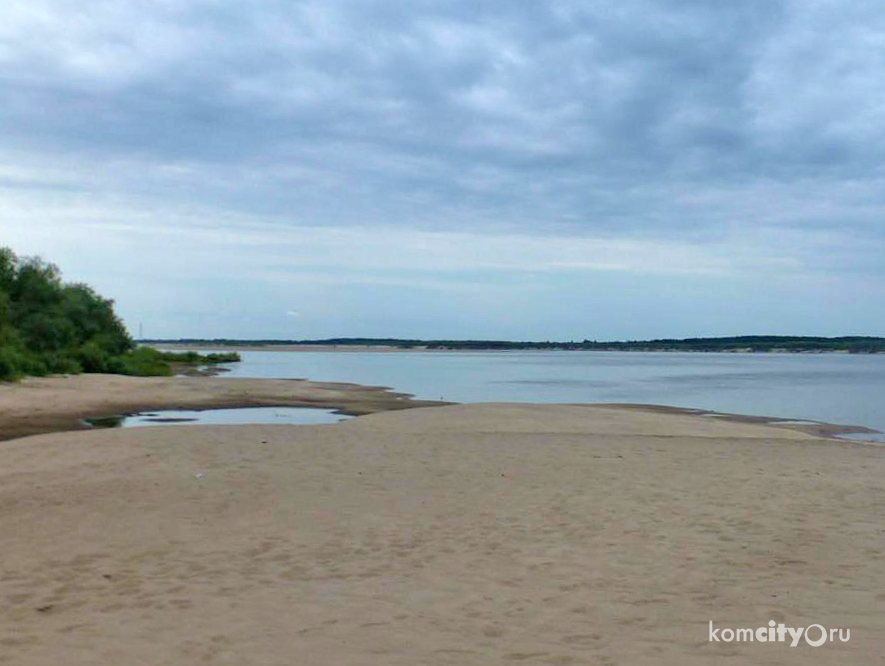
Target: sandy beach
[(45, 404), (462, 534)]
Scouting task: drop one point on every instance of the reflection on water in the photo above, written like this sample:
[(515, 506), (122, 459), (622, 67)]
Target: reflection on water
[(252, 415), (113, 421)]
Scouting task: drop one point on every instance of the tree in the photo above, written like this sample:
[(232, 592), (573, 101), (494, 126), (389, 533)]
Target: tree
[(46, 326)]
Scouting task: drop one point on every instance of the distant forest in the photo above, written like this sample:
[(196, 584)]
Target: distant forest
[(49, 327), (743, 343)]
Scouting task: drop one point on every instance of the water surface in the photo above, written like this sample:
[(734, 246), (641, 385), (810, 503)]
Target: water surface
[(836, 388), (236, 416)]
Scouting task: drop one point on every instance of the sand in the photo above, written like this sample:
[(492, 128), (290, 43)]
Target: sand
[(50, 404), (465, 534)]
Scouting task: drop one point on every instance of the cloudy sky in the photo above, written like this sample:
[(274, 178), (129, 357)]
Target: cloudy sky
[(522, 170)]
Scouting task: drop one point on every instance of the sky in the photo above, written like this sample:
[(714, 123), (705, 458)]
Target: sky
[(534, 170)]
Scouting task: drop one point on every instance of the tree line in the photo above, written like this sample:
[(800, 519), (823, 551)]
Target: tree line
[(748, 343), (50, 327)]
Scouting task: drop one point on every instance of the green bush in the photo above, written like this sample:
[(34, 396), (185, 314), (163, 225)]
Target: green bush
[(32, 364), (60, 364), (50, 327), (10, 367), (143, 362), (92, 358), (47, 326)]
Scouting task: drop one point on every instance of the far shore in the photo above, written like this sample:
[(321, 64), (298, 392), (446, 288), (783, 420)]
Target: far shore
[(298, 348), (178, 346)]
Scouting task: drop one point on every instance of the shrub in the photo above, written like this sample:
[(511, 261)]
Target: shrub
[(47, 326)]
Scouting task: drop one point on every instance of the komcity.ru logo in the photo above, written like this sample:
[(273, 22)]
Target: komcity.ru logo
[(815, 635)]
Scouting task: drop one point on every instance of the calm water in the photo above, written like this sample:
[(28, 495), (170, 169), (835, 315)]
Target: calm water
[(260, 415), (837, 388)]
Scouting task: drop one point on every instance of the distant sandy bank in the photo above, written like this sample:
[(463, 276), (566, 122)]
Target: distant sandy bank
[(297, 348), (190, 346)]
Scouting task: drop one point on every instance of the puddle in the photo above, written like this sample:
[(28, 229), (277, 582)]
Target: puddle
[(238, 416)]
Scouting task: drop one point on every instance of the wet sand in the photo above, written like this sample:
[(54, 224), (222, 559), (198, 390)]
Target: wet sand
[(48, 404), (464, 534)]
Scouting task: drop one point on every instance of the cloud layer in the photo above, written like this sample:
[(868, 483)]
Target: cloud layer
[(510, 150)]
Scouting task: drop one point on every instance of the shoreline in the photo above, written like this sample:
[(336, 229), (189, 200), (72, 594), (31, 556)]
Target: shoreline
[(25, 411), (180, 346), (58, 404), (462, 534), (807, 426)]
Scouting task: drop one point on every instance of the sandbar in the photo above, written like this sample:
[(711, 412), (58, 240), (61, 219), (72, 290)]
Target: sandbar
[(460, 534), (46, 404)]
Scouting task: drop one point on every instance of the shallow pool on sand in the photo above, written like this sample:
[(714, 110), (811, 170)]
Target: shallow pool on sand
[(237, 416)]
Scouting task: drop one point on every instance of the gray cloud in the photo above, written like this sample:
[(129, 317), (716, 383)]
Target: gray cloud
[(673, 121), (544, 92)]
